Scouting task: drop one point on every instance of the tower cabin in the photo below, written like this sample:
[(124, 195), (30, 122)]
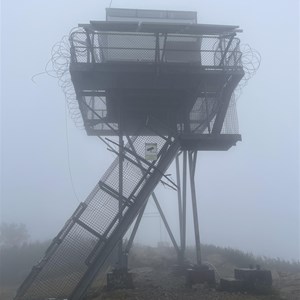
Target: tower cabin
[(161, 65)]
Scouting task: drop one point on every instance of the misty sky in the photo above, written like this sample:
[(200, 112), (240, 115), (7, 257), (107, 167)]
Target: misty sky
[(248, 197)]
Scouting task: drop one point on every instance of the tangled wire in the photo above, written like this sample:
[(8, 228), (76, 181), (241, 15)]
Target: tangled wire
[(250, 61), (58, 67)]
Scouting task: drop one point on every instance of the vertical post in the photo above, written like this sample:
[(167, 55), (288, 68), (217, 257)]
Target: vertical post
[(179, 208), (207, 111), (121, 159), (184, 182), (157, 50), (226, 50), (192, 167), (157, 53)]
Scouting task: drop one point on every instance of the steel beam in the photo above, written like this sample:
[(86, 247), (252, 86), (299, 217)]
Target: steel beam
[(206, 108), (184, 182), (135, 228), (226, 50), (179, 200), (166, 224), (151, 165), (192, 167), (121, 160)]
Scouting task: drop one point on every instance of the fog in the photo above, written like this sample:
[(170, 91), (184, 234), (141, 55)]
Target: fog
[(248, 197)]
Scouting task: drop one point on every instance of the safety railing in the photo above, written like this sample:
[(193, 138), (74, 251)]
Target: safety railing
[(105, 47)]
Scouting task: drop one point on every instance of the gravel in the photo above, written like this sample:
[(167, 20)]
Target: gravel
[(153, 284)]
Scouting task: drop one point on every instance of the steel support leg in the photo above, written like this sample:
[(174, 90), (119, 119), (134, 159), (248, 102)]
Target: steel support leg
[(179, 208), (182, 203), (184, 182), (121, 160), (192, 167)]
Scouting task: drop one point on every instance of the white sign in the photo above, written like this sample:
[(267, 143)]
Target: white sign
[(151, 151)]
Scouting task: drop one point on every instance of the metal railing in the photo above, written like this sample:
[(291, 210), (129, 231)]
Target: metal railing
[(105, 47)]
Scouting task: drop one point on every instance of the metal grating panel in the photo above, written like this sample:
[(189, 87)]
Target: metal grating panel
[(231, 124), (62, 266), (202, 114), (102, 47)]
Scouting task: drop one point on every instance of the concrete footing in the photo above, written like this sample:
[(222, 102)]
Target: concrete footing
[(119, 279), (248, 280), (231, 285), (200, 274)]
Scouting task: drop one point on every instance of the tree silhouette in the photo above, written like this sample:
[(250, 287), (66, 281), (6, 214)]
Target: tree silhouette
[(13, 234)]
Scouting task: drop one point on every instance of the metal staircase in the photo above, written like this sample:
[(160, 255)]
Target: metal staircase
[(83, 246)]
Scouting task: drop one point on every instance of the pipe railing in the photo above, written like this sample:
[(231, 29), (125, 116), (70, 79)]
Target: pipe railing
[(94, 48)]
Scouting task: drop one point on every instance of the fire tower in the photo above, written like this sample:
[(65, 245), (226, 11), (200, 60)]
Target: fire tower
[(163, 85)]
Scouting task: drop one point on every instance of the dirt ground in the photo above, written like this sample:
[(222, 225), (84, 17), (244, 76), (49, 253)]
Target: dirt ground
[(153, 284), (288, 285)]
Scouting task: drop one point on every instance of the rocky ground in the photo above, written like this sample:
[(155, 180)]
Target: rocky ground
[(153, 284), (163, 284), (288, 285), (154, 277)]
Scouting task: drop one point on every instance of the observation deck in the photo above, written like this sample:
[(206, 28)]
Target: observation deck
[(141, 64)]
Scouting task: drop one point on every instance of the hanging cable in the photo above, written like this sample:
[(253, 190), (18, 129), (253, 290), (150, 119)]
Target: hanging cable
[(68, 155)]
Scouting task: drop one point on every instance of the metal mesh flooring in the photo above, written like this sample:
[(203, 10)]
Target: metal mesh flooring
[(97, 221)]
